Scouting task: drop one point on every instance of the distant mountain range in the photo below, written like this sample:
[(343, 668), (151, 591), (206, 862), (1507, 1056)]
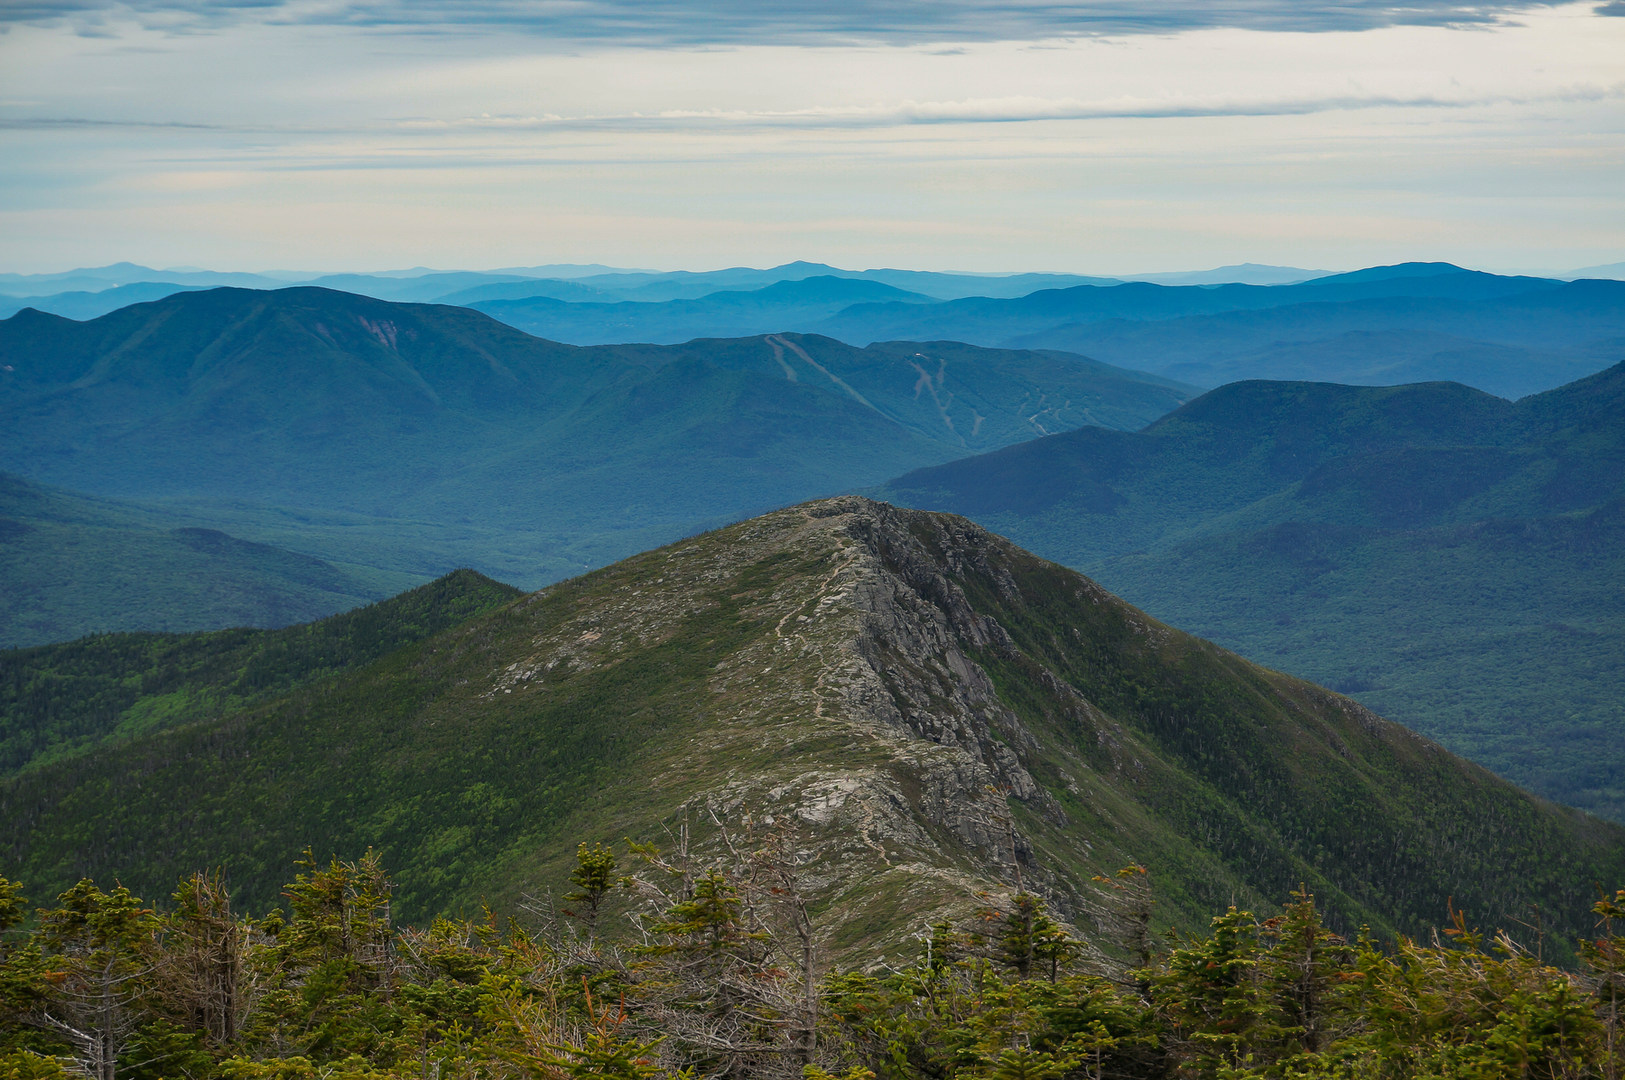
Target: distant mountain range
[(1508, 335), (413, 439), (1455, 560), (924, 708)]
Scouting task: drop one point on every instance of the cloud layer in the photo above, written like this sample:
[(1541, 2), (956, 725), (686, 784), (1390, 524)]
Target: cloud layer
[(662, 23), (353, 134)]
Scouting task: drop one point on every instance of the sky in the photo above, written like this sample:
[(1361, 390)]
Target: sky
[(1090, 136)]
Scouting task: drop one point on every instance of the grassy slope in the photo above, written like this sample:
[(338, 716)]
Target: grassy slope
[(475, 766), (1451, 558), (70, 566)]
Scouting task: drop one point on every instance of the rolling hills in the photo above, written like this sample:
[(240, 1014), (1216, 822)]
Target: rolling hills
[(60, 700), (1453, 559), (1506, 334), (1412, 322), (780, 306), (921, 702), (71, 565), (417, 438)]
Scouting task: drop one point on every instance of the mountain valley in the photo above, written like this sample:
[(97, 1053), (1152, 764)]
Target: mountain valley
[(412, 439)]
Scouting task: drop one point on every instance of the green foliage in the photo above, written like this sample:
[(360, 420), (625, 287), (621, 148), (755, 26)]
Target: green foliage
[(594, 878), (71, 566), (62, 699), (333, 989)]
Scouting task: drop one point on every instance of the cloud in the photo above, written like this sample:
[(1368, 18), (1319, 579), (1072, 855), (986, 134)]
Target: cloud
[(752, 22), (1000, 110)]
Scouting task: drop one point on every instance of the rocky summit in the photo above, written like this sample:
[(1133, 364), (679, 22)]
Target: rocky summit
[(926, 709)]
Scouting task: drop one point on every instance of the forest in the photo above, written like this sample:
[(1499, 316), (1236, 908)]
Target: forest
[(672, 965)]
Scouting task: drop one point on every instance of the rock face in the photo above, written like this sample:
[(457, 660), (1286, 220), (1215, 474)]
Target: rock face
[(866, 713), (890, 748), (925, 711)]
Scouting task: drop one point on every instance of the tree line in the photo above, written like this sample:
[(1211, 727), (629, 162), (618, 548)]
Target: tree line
[(668, 965)]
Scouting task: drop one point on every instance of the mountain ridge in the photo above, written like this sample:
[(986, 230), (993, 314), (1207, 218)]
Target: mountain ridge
[(924, 704), (463, 440)]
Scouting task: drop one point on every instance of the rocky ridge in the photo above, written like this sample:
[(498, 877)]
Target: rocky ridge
[(923, 710)]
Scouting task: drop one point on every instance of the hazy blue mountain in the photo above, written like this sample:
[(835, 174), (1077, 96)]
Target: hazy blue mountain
[(986, 321), (1237, 273), (653, 287), (1607, 270), (566, 271), (784, 304), (1378, 326), (419, 438), (71, 565), (1454, 559), (1511, 345), (551, 288), (420, 288), (89, 305), (95, 279)]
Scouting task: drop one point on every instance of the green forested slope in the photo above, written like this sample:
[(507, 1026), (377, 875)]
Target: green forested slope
[(443, 438), (1453, 559), (921, 703), (58, 700), (71, 565)]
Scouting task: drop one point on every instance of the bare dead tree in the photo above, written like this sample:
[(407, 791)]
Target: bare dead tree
[(718, 973), (202, 975)]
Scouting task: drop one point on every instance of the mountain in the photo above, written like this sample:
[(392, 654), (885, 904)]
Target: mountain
[(1381, 326), (419, 288), (654, 286), (1235, 274), (1607, 270), (1388, 325), (61, 700), (91, 305), (983, 319), (416, 438), (1455, 560), (71, 566), (96, 279), (782, 305), (923, 704), (1510, 346), (531, 288)]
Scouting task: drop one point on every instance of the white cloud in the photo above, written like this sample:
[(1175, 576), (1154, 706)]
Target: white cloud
[(298, 144)]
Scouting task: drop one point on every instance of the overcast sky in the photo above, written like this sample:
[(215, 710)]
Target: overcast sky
[(1099, 137)]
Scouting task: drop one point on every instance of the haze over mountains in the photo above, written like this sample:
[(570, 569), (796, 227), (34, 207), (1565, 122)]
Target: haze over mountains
[(264, 456), (1509, 335), (414, 439), (72, 565)]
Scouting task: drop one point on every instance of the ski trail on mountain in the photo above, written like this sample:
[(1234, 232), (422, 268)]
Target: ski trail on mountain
[(824, 371)]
